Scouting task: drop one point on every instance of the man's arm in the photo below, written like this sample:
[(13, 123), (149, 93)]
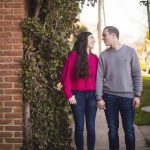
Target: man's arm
[(99, 84), (137, 80), (136, 75), (99, 79)]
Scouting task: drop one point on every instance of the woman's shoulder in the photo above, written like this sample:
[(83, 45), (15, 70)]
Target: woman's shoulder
[(94, 55), (72, 53)]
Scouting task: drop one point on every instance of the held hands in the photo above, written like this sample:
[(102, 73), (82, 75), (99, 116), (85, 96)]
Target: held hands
[(101, 104), (72, 100), (136, 102)]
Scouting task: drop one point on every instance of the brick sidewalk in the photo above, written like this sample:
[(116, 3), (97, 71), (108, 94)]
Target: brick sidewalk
[(102, 135)]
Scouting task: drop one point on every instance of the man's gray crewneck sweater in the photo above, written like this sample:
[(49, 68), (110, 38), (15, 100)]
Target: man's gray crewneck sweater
[(119, 73)]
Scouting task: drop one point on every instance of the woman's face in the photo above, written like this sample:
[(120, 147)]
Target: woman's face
[(90, 41)]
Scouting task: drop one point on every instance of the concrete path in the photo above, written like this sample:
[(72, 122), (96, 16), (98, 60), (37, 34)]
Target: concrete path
[(102, 135)]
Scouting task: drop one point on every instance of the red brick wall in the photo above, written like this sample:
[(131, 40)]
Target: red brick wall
[(11, 121)]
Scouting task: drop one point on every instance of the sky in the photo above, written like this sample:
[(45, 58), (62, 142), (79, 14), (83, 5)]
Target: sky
[(127, 15)]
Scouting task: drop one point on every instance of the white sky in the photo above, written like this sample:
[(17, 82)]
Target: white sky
[(127, 15)]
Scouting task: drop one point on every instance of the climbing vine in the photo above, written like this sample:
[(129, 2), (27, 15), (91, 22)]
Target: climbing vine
[(46, 31)]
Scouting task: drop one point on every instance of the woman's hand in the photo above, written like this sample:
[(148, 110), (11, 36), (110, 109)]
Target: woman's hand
[(101, 104), (72, 100)]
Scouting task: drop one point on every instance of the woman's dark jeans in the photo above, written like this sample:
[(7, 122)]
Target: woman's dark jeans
[(86, 105), (114, 105)]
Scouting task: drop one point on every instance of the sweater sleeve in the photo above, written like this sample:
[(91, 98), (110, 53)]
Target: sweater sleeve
[(99, 79), (136, 74), (66, 76)]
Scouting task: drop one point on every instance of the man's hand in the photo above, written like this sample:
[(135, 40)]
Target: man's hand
[(136, 102), (101, 104), (72, 100)]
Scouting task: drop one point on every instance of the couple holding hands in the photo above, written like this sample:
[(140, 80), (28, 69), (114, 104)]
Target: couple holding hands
[(111, 82)]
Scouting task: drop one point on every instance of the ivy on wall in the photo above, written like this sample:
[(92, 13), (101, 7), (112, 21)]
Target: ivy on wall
[(46, 32)]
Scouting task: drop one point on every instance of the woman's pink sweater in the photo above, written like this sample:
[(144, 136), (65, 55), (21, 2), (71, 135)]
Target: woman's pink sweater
[(69, 80)]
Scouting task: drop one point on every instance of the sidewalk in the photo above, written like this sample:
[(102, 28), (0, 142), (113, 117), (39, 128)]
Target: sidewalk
[(142, 133)]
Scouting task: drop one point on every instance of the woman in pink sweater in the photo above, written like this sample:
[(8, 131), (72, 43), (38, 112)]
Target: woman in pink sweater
[(79, 83)]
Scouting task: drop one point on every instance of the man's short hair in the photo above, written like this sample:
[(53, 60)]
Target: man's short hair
[(112, 29)]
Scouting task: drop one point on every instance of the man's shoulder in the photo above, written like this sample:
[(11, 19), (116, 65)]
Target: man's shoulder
[(105, 52), (128, 48)]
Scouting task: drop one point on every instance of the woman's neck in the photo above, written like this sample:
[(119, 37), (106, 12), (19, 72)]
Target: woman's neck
[(88, 50)]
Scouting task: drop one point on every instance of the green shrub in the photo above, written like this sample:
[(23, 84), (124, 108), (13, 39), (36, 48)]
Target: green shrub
[(142, 117), (46, 32)]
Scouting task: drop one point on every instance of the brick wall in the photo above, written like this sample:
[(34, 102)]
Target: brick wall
[(11, 121)]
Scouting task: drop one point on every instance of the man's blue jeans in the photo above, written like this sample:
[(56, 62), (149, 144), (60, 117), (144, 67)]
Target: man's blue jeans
[(86, 105), (114, 105)]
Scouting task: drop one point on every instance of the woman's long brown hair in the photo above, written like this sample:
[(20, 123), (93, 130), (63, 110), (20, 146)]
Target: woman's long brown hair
[(80, 46)]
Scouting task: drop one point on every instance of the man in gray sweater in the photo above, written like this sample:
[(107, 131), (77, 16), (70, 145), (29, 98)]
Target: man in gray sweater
[(118, 87)]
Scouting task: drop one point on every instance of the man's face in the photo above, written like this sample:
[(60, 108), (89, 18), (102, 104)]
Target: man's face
[(107, 37)]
